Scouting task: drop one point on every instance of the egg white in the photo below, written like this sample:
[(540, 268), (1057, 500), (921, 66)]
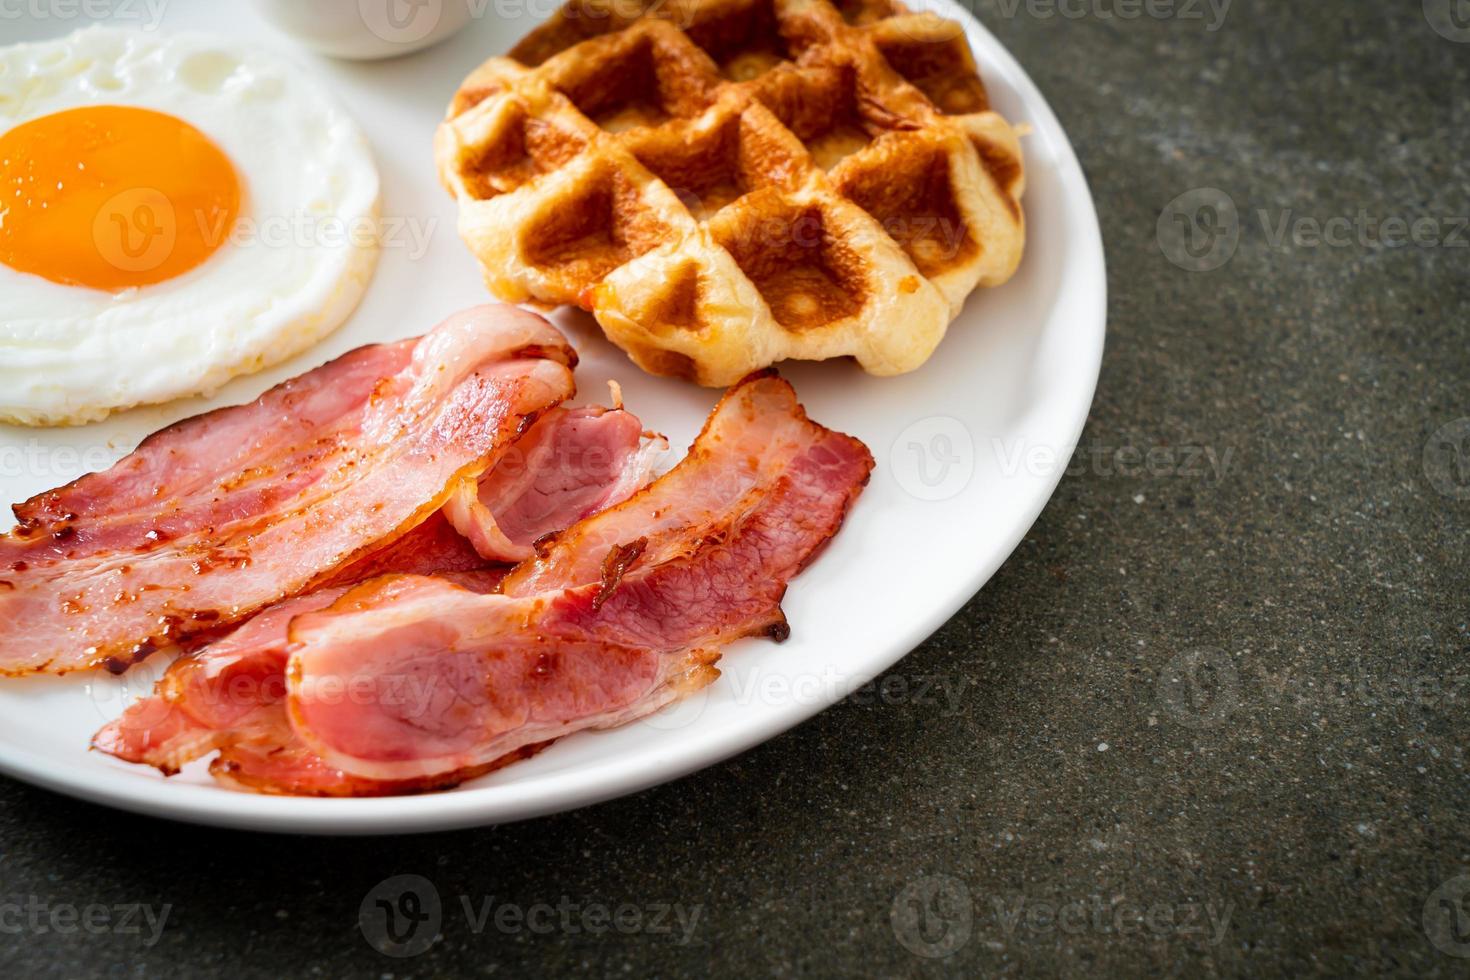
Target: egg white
[(289, 273)]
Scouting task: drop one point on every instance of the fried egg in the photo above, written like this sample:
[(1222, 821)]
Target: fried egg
[(175, 210)]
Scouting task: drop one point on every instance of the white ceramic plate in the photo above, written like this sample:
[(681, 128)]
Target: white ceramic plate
[(969, 448)]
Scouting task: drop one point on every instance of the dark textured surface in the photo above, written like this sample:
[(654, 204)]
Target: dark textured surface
[(1225, 686)]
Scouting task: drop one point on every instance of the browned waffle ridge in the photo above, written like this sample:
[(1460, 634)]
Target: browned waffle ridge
[(725, 184)]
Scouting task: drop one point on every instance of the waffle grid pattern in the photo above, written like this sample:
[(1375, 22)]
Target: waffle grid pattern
[(725, 184)]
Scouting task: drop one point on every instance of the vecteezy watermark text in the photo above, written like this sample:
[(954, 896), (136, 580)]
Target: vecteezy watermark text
[(148, 14), (936, 694), (1200, 230), (139, 228), (1446, 917), (935, 916), (1447, 459), (410, 21), (935, 459), (403, 916), (303, 230), (1450, 19), (30, 914), (1362, 230), (1211, 13), (35, 458), (572, 916), (1205, 687), (1130, 460)]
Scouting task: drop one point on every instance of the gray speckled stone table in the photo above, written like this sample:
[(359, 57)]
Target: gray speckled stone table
[(1210, 718)]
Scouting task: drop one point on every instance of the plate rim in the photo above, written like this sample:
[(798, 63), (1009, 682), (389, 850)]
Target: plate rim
[(571, 789)]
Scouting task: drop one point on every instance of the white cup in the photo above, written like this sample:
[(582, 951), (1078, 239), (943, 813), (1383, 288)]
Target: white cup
[(367, 28)]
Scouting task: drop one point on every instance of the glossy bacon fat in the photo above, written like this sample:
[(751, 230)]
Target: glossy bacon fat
[(572, 463), (229, 696), (221, 515), (409, 683), (410, 678)]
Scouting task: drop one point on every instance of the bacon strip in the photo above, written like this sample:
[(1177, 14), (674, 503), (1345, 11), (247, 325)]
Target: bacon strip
[(223, 693), (751, 438), (431, 548), (218, 516), (570, 464), (438, 671), (281, 765), (443, 679), (230, 696)]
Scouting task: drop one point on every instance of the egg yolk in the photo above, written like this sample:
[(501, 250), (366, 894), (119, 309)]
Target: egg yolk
[(112, 197)]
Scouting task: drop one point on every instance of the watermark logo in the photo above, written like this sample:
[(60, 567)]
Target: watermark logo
[(1285, 229), (32, 915), (1449, 18), (1131, 460), (1447, 917), (1211, 13), (401, 21), (570, 916), (1203, 687), (1447, 459), (401, 916), (113, 694), (940, 694), (136, 229), (681, 714), (934, 459), (933, 916), (1199, 688), (34, 458), (932, 29), (1199, 230), (147, 14), (1202, 920), (309, 230)]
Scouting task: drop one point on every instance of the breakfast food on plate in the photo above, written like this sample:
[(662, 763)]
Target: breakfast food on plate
[(228, 694), (332, 561), (728, 183), (572, 463), (223, 514), (453, 675), (175, 210), (672, 576)]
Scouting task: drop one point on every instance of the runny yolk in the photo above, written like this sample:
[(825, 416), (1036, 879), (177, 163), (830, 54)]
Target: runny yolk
[(112, 196)]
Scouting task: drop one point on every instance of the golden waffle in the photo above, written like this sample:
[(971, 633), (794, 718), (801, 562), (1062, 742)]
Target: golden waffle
[(728, 183)]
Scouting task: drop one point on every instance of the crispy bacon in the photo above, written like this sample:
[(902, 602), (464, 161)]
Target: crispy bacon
[(572, 463), (408, 677), (280, 764), (748, 442), (228, 691), (431, 548), (218, 516), (230, 696), (409, 683), (227, 696)]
